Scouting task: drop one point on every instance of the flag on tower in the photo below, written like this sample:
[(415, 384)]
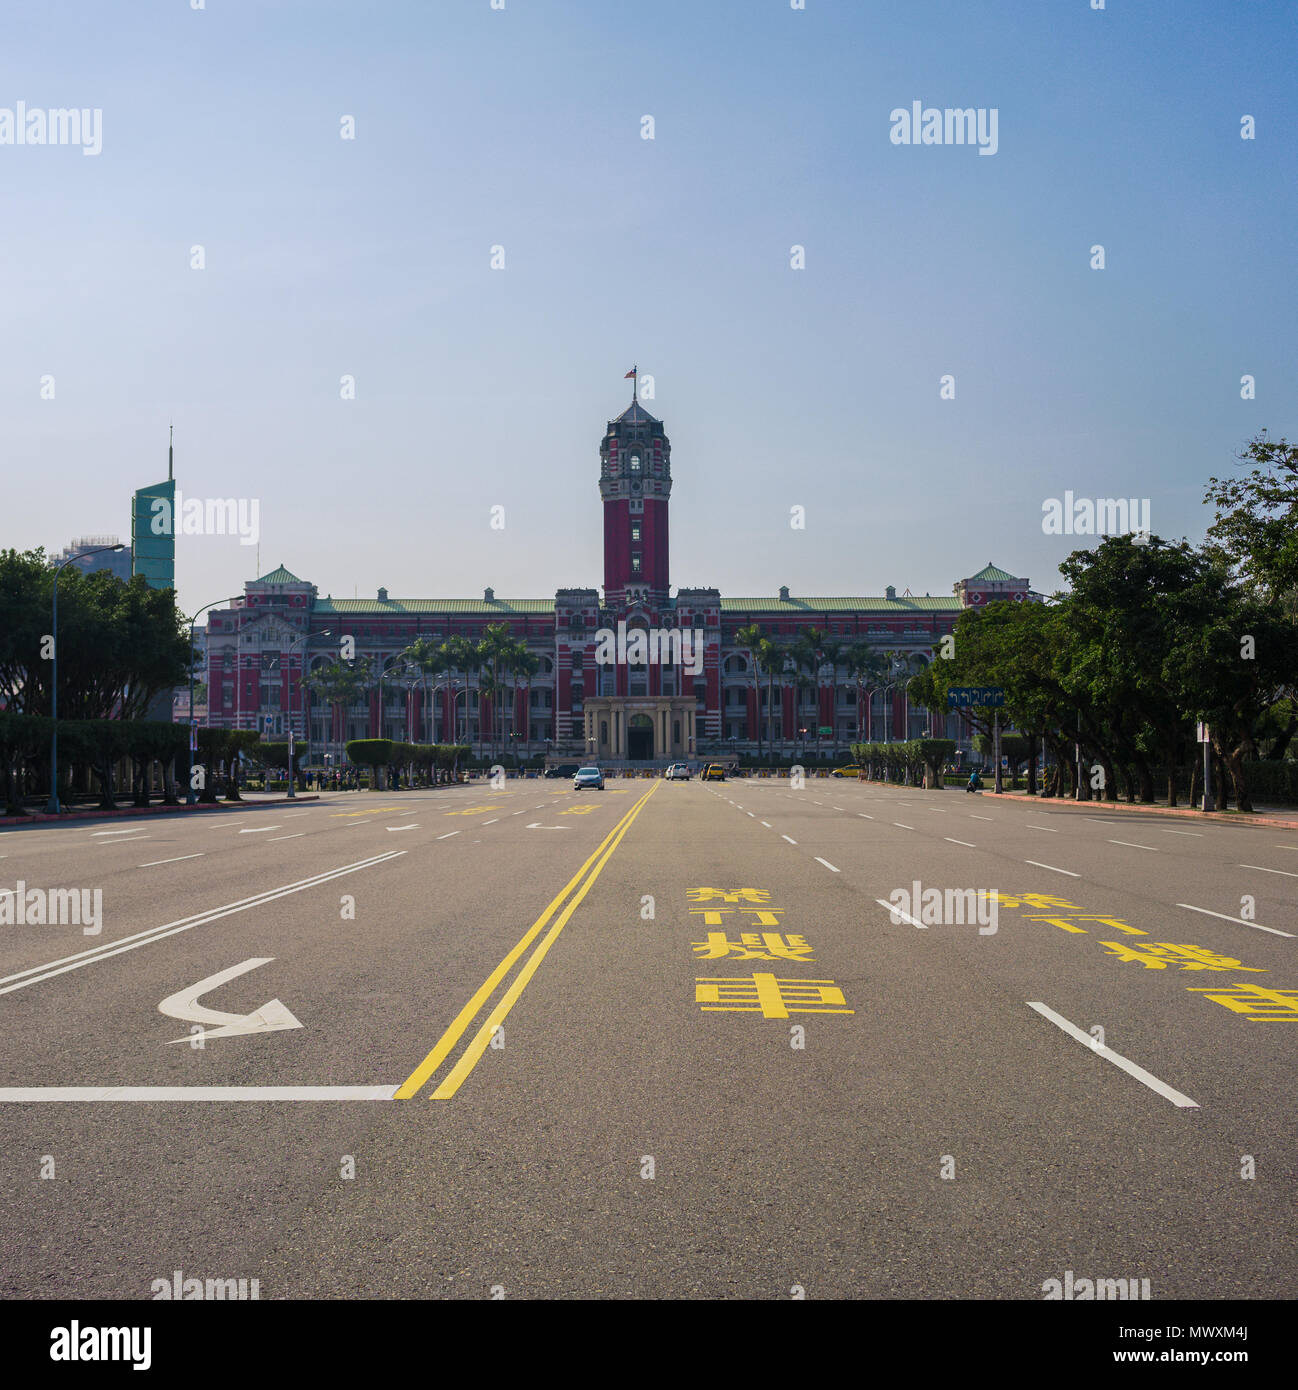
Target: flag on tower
[(630, 374)]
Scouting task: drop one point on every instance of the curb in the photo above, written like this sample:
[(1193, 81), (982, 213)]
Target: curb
[(43, 817), (1184, 812)]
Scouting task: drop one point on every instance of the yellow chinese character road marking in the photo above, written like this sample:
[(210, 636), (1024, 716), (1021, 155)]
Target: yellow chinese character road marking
[(1059, 922), (729, 895), (1265, 1005), (470, 811), (1115, 922), (369, 811), (1041, 901), (748, 947), (583, 808), (767, 995), (1158, 955)]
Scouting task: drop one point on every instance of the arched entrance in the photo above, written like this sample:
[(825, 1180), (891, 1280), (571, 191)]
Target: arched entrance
[(640, 738)]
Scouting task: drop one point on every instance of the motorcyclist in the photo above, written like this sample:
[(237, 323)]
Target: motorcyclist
[(975, 782)]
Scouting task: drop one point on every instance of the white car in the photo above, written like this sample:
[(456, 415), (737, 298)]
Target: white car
[(678, 772), (588, 777)]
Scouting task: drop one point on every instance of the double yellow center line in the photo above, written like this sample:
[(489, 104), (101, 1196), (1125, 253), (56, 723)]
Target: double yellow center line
[(564, 904)]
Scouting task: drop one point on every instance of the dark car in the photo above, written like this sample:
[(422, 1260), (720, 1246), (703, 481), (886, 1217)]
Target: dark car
[(562, 770)]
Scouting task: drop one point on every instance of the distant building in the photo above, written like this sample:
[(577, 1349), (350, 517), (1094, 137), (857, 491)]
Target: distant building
[(117, 562), (628, 709)]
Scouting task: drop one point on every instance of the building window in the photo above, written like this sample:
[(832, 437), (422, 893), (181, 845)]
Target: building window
[(635, 530), (635, 564), (635, 463)]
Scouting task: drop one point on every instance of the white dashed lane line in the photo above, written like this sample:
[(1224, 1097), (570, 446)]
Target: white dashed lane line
[(1239, 921), (1129, 845), (1183, 1102), (959, 842), (153, 863), (1262, 868), (1052, 868), (827, 864), (785, 837)]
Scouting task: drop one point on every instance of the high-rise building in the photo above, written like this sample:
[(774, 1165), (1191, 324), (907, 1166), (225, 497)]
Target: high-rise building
[(117, 562)]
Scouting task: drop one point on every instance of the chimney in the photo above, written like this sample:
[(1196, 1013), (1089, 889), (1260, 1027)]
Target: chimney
[(890, 593), (383, 595), (489, 595), (784, 593)]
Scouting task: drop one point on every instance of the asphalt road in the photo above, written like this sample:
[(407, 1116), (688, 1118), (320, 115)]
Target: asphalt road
[(660, 1041)]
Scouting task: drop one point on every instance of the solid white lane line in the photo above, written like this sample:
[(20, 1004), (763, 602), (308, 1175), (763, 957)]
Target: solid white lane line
[(959, 842), (827, 864), (30, 1094), (785, 837), (1052, 868), (1262, 868), (905, 916), (36, 973), (298, 836), (1151, 848), (154, 862), (1239, 921), (1183, 1102)]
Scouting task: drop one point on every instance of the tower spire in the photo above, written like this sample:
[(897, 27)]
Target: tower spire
[(171, 434)]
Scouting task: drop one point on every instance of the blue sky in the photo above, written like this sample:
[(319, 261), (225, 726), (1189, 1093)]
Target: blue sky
[(779, 388)]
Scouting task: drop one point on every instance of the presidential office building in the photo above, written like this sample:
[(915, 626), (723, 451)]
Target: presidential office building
[(646, 699)]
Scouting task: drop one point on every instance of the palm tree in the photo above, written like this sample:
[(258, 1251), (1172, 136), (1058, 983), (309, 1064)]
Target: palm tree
[(466, 657), (749, 638), (340, 685), (769, 657), (864, 665), (432, 659), (523, 665), (495, 649)]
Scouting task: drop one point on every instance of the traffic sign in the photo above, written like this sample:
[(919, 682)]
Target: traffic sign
[(966, 696), (1202, 735)]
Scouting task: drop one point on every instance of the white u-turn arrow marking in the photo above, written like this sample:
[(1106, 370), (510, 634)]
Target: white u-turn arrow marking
[(184, 1004)]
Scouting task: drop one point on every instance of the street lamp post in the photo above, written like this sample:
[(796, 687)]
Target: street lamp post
[(306, 716), (190, 795), (52, 806)]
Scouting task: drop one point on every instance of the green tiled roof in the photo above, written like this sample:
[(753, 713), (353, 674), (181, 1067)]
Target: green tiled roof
[(991, 574), (279, 576), (793, 606), (475, 607)]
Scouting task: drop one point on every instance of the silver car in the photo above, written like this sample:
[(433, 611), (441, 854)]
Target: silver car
[(678, 772), (588, 777)]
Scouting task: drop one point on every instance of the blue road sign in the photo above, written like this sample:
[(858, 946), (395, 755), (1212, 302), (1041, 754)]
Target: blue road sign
[(967, 696)]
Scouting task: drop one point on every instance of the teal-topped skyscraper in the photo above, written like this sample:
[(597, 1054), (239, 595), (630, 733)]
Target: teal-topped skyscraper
[(153, 531)]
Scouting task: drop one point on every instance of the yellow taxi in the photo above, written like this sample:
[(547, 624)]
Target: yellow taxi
[(714, 772)]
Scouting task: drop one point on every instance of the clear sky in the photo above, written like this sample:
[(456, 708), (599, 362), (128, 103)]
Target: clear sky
[(521, 127)]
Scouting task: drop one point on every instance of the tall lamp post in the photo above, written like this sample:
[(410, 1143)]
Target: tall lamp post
[(52, 806), (190, 795), (306, 715)]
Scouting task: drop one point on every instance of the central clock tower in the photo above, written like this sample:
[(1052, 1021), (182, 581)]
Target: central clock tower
[(635, 482)]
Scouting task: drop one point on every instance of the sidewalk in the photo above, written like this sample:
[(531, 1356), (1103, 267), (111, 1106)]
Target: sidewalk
[(1275, 816), (250, 800)]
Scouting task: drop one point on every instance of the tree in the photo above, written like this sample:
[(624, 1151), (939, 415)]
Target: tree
[(749, 638), (1256, 526), (340, 684)]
